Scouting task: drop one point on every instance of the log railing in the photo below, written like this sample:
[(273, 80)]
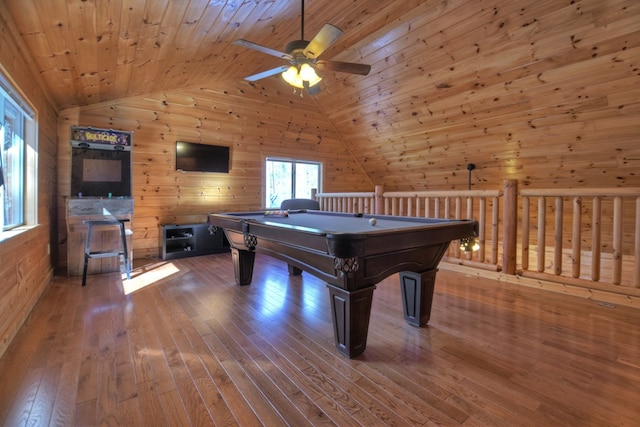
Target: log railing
[(481, 205), (586, 238), (596, 235), (347, 202)]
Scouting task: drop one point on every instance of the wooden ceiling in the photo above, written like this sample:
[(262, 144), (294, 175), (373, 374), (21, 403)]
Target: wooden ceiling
[(523, 89), (91, 51)]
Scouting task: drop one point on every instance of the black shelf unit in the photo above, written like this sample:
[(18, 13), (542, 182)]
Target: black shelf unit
[(185, 240)]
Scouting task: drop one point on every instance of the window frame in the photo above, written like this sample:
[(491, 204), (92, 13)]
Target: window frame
[(293, 162), (28, 199)]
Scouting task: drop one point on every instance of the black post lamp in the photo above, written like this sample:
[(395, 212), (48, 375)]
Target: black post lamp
[(470, 167), (471, 243)]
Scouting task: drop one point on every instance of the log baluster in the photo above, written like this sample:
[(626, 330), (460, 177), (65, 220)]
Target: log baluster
[(525, 232), (542, 227), (617, 241), (596, 238), (576, 240)]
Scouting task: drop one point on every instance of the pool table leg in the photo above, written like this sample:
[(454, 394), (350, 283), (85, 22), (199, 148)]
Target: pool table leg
[(350, 311), (417, 296), (293, 270), (243, 265)]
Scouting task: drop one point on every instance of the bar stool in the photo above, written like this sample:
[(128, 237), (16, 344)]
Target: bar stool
[(104, 254)]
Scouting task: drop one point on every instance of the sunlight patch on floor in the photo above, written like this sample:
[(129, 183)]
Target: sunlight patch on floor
[(148, 277)]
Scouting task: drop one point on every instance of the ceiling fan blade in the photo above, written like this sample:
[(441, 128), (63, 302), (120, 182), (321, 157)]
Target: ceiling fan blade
[(267, 73), (263, 49), (325, 38), (344, 67)]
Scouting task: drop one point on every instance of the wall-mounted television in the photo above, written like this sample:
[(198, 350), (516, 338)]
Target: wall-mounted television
[(202, 157)]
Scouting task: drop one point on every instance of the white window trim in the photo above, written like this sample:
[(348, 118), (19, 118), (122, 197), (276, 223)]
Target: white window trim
[(289, 159), (12, 91)]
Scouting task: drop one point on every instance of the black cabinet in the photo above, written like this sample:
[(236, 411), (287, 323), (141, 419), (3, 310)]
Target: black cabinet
[(183, 240)]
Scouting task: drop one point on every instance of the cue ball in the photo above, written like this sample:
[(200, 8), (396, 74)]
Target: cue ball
[(373, 221)]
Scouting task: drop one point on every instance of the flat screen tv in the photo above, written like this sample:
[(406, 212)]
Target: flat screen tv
[(202, 157)]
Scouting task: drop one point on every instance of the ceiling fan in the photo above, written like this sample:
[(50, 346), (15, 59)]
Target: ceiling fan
[(302, 56)]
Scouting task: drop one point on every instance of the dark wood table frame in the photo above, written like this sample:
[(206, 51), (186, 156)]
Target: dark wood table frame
[(351, 263)]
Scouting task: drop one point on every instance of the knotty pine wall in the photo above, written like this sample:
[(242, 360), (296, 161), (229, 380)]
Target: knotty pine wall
[(546, 92), (26, 267), (255, 124)]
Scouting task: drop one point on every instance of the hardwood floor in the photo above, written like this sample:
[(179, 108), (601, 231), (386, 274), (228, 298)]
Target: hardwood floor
[(192, 348)]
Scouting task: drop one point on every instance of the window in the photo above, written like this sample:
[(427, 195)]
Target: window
[(289, 179), (18, 172)]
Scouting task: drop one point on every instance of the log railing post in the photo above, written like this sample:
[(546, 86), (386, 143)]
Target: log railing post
[(542, 232), (557, 247), (379, 202), (495, 221), (510, 226), (482, 219), (617, 240), (526, 218), (576, 247), (596, 238)]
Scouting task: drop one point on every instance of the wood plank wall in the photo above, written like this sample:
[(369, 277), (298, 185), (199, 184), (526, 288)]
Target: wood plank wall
[(25, 266), (255, 124), (545, 92)]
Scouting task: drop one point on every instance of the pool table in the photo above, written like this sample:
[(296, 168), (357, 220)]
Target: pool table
[(351, 253)]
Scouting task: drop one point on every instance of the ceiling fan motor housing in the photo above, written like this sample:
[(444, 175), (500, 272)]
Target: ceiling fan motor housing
[(296, 46)]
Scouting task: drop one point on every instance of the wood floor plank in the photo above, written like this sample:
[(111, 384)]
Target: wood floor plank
[(85, 414), (140, 364), (305, 393), (245, 384), (161, 374), (242, 411), (129, 413), (193, 348), (185, 385), (247, 354), (107, 398), (207, 394), (336, 381), (87, 383), (152, 405), (65, 400), (176, 414), (218, 409), (125, 377), (202, 368)]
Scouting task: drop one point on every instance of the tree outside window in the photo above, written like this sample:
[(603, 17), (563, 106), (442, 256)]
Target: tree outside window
[(289, 179)]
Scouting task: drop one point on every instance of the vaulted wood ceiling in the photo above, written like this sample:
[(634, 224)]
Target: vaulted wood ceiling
[(94, 51), (524, 89)]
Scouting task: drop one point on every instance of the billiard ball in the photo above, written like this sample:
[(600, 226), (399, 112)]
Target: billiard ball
[(373, 221)]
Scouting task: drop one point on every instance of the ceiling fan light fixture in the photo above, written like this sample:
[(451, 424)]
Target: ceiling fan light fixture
[(308, 74), (292, 77), (296, 78)]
